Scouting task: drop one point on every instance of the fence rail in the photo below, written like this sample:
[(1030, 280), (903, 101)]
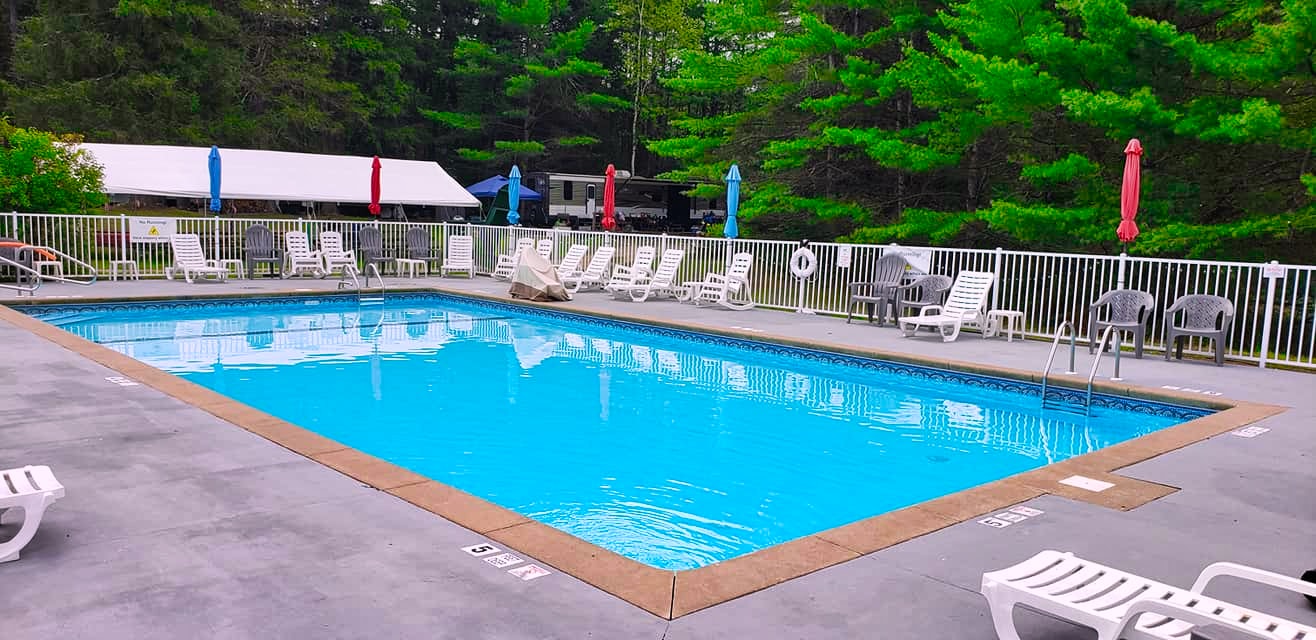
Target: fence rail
[(1275, 321)]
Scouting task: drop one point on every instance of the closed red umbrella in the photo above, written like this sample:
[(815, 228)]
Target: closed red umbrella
[(1128, 229), (374, 187), (610, 199)]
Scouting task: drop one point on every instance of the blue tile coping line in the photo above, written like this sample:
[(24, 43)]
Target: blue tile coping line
[(53, 312)]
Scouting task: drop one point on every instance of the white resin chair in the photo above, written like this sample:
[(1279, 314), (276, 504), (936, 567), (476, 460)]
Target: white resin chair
[(544, 247), (459, 256), (332, 253), (594, 274), (298, 257), (641, 266), (507, 261), (966, 304), (1119, 604), (731, 290), (571, 262), (191, 260), (662, 282), (31, 489)]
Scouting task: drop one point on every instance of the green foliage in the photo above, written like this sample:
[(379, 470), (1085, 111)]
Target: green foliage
[(42, 172)]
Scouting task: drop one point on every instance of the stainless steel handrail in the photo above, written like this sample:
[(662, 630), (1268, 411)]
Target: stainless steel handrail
[(1050, 358), (1101, 348), (21, 289), (65, 256)]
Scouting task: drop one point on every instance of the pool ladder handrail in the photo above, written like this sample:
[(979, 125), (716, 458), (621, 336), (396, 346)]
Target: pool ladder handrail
[(352, 272), (1101, 350), (1051, 357), (29, 289), (64, 256)]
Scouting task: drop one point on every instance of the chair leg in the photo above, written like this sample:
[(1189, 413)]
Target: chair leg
[(1002, 611), (32, 513), (1219, 352), (1138, 336), (1092, 338)]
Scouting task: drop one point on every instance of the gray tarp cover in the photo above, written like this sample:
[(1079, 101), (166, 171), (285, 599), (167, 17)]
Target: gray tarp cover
[(536, 279)]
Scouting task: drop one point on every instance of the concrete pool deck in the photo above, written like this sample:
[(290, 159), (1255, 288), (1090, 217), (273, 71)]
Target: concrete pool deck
[(1245, 499)]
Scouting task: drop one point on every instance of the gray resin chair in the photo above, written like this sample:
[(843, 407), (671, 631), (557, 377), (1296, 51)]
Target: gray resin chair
[(880, 292), (370, 246), (1128, 310), (419, 245), (259, 248), (1203, 316), (928, 290)]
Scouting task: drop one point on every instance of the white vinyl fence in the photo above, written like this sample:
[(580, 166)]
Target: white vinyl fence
[(1275, 321)]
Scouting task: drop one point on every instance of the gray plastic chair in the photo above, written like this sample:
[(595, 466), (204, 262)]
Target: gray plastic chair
[(258, 248), (1203, 316), (928, 290), (1129, 310), (370, 246), (880, 292), (420, 246)]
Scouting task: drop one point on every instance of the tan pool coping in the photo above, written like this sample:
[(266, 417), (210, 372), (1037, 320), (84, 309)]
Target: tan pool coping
[(672, 594)]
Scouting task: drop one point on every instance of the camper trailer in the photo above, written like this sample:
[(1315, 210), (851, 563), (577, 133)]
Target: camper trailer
[(642, 204)]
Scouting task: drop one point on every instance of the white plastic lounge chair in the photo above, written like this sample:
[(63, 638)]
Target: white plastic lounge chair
[(662, 282), (641, 266), (191, 260), (544, 248), (332, 253), (458, 256), (32, 489), (594, 274), (731, 290), (507, 261), (1114, 602), (966, 304), (571, 262), (298, 256)]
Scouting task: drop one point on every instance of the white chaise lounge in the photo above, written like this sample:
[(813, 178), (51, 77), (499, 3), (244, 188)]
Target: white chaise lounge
[(298, 257), (31, 489), (640, 267), (507, 261), (662, 282), (731, 290), (594, 273), (571, 262), (191, 260), (458, 256), (1122, 605), (966, 304), (334, 257)]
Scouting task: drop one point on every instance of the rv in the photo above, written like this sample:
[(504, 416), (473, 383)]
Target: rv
[(642, 204)]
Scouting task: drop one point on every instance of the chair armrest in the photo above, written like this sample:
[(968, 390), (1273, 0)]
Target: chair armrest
[(925, 310), (1178, 612), (855, 287), (1252, 574), (1178, 304), (714, 277)]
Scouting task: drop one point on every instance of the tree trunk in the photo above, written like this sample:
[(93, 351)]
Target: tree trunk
[(641, 78)]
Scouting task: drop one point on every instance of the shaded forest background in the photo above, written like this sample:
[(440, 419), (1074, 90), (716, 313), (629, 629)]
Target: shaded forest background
[(978, 123)]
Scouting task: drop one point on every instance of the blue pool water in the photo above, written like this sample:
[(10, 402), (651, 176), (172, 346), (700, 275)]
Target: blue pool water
[(675, 450)]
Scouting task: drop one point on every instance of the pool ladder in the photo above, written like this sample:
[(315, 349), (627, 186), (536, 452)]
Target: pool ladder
[(362, 297), (29, 279), (1067, 328)]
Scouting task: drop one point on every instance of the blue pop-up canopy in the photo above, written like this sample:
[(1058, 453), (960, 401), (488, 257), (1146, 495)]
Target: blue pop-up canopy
[(489, 188)]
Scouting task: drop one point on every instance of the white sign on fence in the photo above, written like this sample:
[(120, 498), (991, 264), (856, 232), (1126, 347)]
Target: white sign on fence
[(843, 256), (151, 229), (1273, 270)]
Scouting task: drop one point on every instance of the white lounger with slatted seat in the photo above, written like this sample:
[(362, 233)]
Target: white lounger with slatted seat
[(191, 260), (458, 256), (594, 274), (1122, 605), (507, 261), (966, 304), (31, 489), (662, 282)]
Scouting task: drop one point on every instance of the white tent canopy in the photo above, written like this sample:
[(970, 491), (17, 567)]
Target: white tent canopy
[(183, 172)]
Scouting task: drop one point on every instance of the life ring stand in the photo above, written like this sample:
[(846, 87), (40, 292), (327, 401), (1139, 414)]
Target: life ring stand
[(804, 262)]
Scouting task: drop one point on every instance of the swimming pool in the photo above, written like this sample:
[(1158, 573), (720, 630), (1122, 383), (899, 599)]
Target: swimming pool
[(677, 450)]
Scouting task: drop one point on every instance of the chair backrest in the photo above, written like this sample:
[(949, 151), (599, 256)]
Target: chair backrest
[(890, 269), (522, 245), (598, 263), (667, 268), (739, 269), (571, 262), (544, 248), (10, 250), (931, 288), (371, 242), (418, 242), (643, 259), (331, 244), (187, 250), (969, 293), (259, 241), (459, 250), (1128, 305), (1202, 312), (297, 244)]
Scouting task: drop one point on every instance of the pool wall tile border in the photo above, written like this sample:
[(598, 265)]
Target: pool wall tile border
[(670, 594)]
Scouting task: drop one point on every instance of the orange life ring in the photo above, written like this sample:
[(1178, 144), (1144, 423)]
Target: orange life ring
[(20, 245)]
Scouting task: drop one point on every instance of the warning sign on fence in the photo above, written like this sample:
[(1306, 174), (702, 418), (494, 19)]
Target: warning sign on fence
[(151, 229)]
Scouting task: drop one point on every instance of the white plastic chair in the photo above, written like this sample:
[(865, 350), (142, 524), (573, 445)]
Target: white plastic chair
[(298, 257), (966, 304), (731, 290), (571, 262), (594, 273), (332, 254), (1119, 604), (641, 266), (31, 489), (544, 247), (458, 256), (191, 260), (507, 261), (662, 282)]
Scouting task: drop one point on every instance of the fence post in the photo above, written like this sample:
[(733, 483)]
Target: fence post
[(216, 241), (123, 236), (996, 269), (1119, 277), (1267, 272)]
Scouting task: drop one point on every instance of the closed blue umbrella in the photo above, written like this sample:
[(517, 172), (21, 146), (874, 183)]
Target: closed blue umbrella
[(733, 202), (513, 195), (214, 179)]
